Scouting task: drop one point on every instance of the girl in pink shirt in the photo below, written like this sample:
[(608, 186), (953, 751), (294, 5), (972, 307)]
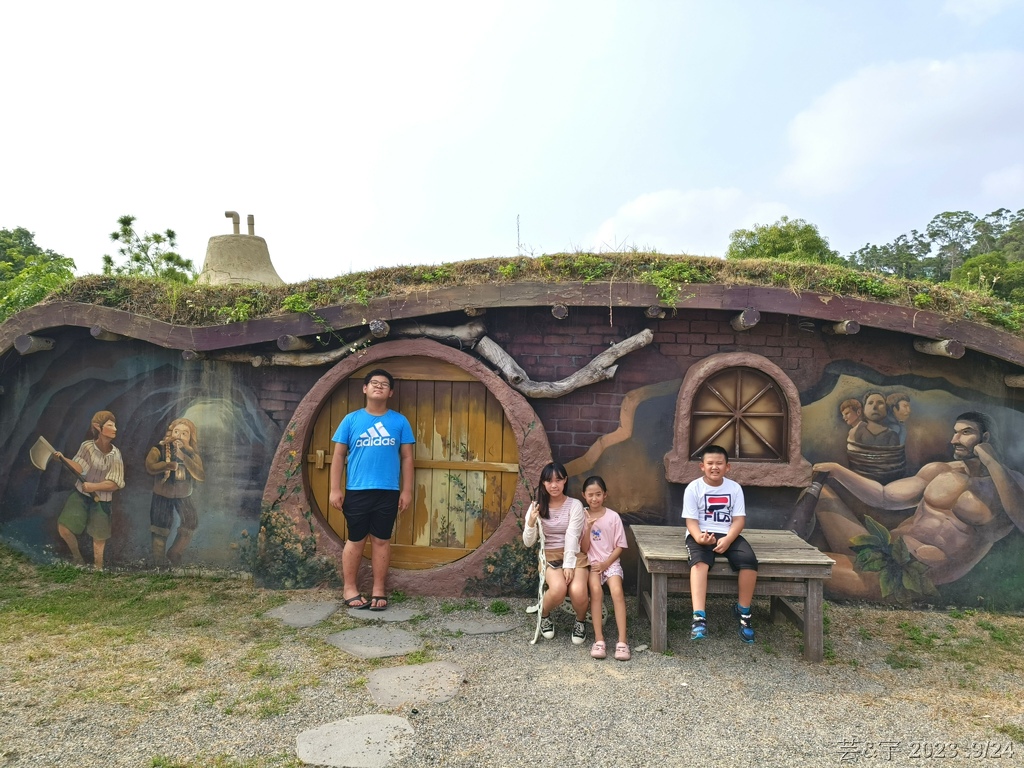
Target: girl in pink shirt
[(603, 540)]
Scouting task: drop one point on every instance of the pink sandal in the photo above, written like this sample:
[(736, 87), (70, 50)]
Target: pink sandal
[(622, 652), (597, 650)]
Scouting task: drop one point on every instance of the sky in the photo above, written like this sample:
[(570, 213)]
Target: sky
[(362, 135)]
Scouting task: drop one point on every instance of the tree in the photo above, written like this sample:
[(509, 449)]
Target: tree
[(150, 254), (16, 247), (906, 256), (788, 239), (954, 234), (28, 273)]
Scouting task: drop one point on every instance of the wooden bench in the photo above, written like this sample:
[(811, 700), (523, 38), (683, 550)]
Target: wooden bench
[(788, 567)]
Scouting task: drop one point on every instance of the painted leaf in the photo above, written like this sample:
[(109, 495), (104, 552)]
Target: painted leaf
[(864, 540), (886, 583), (869, 560), (877, 529)]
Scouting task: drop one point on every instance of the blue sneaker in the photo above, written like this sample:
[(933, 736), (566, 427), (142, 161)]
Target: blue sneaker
[(699, 627), (745, 629)]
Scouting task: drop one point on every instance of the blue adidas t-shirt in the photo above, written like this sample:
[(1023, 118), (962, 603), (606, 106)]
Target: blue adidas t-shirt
[(373, 444)]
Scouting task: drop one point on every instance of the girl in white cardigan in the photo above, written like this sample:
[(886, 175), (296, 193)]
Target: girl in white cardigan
[(562, 519)]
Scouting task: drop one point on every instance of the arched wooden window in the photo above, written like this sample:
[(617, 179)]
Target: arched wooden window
[(743, 410), (749, 406)]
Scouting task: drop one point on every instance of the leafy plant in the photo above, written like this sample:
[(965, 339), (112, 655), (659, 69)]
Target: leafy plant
[(512, 570), (281, 555), (37, 279), (149, 254), (899, 574)]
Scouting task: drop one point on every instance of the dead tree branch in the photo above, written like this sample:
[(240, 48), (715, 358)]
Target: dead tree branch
[(598, 369)]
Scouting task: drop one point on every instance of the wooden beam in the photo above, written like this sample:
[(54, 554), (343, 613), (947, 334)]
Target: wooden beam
[(560, 311), (379, 328), (654, 313), (1014, 380), (474, 311), (843, 328), (746, 319), (290, 343), (942, 348), (100, 333), (27, 345)]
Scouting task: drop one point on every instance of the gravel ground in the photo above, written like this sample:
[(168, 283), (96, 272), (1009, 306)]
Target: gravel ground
[(718, 703)]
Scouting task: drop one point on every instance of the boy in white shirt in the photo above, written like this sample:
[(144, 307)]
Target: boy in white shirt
[(714, 512)]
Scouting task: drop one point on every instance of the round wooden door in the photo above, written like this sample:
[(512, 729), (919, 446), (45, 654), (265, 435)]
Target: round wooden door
[(466, 459)]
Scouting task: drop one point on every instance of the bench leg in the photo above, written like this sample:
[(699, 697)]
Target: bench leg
[(814, 630), (659, 612)]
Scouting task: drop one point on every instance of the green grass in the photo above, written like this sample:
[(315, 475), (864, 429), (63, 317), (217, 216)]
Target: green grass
[(1012, 730), (196, 304)]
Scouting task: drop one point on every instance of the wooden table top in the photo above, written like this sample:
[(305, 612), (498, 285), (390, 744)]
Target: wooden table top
[(666, 542)]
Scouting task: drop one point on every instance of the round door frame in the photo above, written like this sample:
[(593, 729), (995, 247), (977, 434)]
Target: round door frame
[(445, 580)]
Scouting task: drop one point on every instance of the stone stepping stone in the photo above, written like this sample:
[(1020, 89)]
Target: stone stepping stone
[(375, 642), (430, 683), (478, 627), (390, 615), (296, 614), (367, 741)]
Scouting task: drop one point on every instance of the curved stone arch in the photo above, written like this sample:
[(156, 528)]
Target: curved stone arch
[(794, 472), (534, 453)]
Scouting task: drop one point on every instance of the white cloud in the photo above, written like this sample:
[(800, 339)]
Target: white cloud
[(963, 114), (976, 11), (694, 221)]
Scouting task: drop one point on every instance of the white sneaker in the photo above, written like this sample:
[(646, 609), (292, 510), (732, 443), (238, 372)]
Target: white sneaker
[(579, 632), (547, 628)]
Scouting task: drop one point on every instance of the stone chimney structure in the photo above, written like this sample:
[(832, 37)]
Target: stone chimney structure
[(237, 258)]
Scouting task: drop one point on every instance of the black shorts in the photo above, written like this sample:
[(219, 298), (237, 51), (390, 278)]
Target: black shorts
[(739, 554), (372, 512)]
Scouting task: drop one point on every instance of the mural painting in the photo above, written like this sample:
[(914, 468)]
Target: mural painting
[(176, 466), (100, 473), (910, 505), (173, 479)]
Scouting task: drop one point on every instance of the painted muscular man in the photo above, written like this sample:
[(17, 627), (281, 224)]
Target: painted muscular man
[(963, 506)]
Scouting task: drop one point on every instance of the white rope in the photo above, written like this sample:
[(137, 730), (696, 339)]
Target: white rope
[(542, 567)]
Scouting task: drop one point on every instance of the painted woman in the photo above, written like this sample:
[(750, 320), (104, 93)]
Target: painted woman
[(176, 466), (87, 509)]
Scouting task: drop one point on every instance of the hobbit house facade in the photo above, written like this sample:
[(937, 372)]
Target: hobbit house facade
[(855, 423)]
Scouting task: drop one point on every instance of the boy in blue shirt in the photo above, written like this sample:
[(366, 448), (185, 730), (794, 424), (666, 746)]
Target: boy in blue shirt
[(377, 443), (714, 512)]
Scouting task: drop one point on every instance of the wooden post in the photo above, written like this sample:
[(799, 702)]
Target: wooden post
[(560, 311), (379, 328), (746, 319), (27, 345), (289, 343), (843, 328), (1014, 380), (943, 348), (654, 313), (100, 333), (475, 311)]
